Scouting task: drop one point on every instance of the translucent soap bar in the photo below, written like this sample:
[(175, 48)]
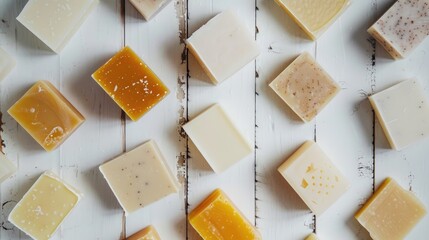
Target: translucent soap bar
[(147, 233)]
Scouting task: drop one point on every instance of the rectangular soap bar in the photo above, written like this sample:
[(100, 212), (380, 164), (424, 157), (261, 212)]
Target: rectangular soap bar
[(139, 177), (147, 233), (130, 83), (403, 113), (149, 8), (7, 168), (312, 236), (391, 213), (403, 27), (305, 87), (218, 218), (314, 16), (223, 46), (217, 138), (46, 115), (44, 207), (7, 64), (313, 176)]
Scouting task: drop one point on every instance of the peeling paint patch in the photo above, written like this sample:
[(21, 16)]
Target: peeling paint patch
[(365, 169), (181, 168), (6, 209), (2, 144)]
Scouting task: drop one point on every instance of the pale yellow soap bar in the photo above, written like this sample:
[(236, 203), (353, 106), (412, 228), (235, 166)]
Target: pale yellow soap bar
[(7, 64), (391, 213), (149, 8), (312, 236), (44, 207), (7, 168), (147, 233)]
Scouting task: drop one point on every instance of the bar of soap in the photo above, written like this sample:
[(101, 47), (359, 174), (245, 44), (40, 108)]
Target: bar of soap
[(314, 177), (403, 113), (391, 213), (139, 177), (55, 22), (403, 27), (305, 87), (131, 83), (46, 115), (223, 46), (7, 168), (312, 236), (147, 233), (149, 8), (313, 16), (218, 218), (44, 207), (7, 64), (217, 138)]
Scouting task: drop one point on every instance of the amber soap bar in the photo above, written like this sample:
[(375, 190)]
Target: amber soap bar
[(147, 233), (46, 115), (130, 83), (218, 218)]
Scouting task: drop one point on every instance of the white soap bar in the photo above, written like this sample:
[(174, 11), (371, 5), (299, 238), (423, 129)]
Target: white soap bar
[(7, 63), (217, 138), (7, 168), (55, 22), (403, 27), (223, 46), (139, 177), (149, 8), (403, 112), (313, 176)]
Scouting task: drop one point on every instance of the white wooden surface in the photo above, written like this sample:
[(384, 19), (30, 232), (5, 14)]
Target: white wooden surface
[(346, 129)]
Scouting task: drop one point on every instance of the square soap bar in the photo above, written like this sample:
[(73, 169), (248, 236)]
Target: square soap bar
[(223, 46), (7, 168), (312, 236), (149, 8), (139, 177), (148, 233), (217, 138), (55, 22), (391, 213), (218, 218), (46, 115), (44, 207), (7, 64), (403, 113), (314, 16), (313, 176), (130, 83), (305, 87), (403, 27)]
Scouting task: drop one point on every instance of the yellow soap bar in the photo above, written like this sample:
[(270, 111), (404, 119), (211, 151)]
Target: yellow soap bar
[(130, 83), (46, 115), (312, 236), (147, 233), (391, 213), (217, 218)]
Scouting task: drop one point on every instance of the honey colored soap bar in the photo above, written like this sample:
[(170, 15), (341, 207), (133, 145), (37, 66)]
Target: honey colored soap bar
[(7, 168), (312, 236), (148, 233), (314, 16), (139, 177), (7, 64), (217, 218), (391, 213), (403, 27), (44, 207), (305, 87), (46, 115), (55, 22), (403, 113), (130, 83), (149, 8), (313, 176)]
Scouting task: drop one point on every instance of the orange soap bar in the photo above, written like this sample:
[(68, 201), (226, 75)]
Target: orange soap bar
[(130, 83), (46, 115), (147, 233), (217, 218)]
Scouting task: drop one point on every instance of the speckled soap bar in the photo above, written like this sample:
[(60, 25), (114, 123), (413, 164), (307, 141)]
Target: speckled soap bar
[(403, 27)]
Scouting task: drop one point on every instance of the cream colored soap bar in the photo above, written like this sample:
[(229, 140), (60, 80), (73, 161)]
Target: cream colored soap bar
[(403, 112), (312, 236), (313, 176), (149, 8), (314, 16), (223, 46), (403, 27), (217, 138), (55, 22), (139, 177), (7, 64), (44, 207), (148, 233), (391, 213), (7, 168)]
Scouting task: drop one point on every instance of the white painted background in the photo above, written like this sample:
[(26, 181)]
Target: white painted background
[(346, 129)]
